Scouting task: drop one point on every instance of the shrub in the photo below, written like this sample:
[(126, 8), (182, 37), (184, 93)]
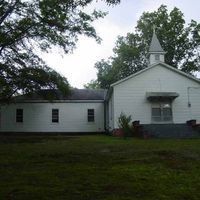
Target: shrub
[(124, 124)]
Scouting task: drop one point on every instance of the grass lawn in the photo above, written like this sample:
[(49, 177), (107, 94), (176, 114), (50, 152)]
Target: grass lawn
[(98, 168)]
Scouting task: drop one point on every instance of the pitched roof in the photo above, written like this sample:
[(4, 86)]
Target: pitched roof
[(75, 94), (155, 45), (152, 66)]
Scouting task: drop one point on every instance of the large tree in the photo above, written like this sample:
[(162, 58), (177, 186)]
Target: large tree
[(180, 41), (26, 25)]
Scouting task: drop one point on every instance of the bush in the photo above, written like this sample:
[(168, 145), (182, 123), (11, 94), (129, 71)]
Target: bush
[(124, 124)]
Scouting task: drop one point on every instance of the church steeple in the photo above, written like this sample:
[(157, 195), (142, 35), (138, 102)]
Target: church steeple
[(156, 52)]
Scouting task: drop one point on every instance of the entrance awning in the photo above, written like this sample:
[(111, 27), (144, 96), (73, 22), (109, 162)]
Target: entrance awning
[(151, 96)]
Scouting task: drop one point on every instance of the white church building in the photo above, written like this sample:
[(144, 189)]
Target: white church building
[(156, 95)]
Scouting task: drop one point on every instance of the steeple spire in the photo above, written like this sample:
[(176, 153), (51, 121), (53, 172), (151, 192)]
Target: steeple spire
[(156, 52)]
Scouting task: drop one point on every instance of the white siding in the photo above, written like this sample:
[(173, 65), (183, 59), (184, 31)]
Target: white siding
[(130, 95), (194, 100), (38, 117)]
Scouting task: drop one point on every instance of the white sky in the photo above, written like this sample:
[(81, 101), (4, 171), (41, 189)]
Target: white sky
[(78, 67)]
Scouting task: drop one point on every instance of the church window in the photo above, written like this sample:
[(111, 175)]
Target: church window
[(161, 112)]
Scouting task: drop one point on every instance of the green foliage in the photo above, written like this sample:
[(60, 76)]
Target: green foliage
[(93, 84), (106, 74), (25, 26), (176, 38), (180, 41), (124, 124)]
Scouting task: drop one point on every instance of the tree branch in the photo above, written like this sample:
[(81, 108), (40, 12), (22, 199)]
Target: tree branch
[(8, 12)]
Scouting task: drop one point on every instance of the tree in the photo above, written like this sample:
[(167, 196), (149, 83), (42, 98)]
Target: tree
[(129, 57), (181, 43), (29, 24), (176, 38), (93, 84), (106, 74)]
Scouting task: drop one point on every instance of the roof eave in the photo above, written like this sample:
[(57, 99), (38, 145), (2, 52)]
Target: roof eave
[(58, 101), (180, 72), (157, 52)]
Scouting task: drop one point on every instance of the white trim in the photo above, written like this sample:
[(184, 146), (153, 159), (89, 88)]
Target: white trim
[(154, 65), (157, 52)]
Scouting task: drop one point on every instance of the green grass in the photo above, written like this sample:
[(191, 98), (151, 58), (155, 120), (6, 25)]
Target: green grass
[(98, 168)]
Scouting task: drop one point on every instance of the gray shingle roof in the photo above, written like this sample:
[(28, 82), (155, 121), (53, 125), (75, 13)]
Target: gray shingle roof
[(75, 94), (155, 45)]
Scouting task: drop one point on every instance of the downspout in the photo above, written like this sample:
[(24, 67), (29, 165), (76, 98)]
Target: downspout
[(105, 118), (105, 110)]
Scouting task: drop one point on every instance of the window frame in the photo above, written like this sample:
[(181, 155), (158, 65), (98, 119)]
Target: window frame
[(90, 115), (163, 117), (55, 116), (19, 115)]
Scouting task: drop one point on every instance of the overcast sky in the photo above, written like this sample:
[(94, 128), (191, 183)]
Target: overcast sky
[(78, 67)]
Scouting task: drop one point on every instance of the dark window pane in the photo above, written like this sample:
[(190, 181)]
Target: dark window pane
[(167, 118), (90, 115), (156, 119), (156, 112), (90, 118), (19, 115), (167, 112), (90, 111), (55, 115)]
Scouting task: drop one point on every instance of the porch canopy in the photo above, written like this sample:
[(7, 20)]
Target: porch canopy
[(161, 96)]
